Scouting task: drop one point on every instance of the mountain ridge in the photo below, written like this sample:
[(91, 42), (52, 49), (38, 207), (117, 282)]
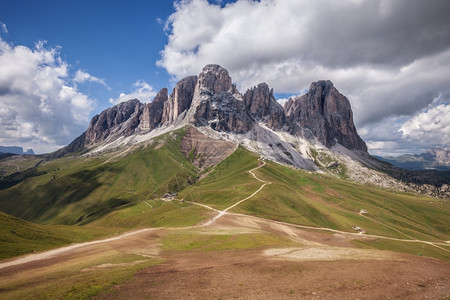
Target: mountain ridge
[(434, 159), (212, 103)]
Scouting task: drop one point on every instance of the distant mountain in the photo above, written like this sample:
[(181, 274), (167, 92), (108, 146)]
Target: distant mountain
[(16, 150), (437, 159)]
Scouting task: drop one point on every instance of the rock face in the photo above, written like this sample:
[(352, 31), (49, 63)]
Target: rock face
[(202, 150), (325, 114), (122, 119), (218, 104), (152, 112), (179, 100), (212, 100), (262, 105)]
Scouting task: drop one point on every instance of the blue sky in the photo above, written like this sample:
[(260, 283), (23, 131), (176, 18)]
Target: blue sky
[(118, 41), (97, 53)]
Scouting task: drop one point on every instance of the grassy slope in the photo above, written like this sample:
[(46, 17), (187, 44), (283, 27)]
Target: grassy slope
[(319, 200), (19, 237), (154, 213), (123, 192), (79, 278), (79, 191), (228, 182)]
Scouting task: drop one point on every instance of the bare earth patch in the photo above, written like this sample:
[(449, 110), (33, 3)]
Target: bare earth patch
[(322, 266), (330, 253)]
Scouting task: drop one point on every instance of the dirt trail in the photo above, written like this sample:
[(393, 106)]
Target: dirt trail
[(56, 252), (223, 212), (323, 264)]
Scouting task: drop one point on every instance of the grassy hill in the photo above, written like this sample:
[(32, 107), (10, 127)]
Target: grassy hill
[(21, 237), (73, 190), (123, 191)]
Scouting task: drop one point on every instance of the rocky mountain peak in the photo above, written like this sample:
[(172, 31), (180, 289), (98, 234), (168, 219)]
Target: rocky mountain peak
[(153, 111), (217, 103), (262, 105), (212, 100), (325, 114), (122, 118), (180, 99), (441, 154), (214, 79)]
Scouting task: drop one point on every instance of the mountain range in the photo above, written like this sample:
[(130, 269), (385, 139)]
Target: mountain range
[(16, 150), (314, 131), (207, 180), (211, 103), (435, 159)]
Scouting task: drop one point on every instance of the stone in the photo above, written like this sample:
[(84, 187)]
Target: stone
[(179, 100), (152, 113), (262, 105), (325, 114)]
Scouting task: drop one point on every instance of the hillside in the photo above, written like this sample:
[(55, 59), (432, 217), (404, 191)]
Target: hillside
[(124, 190), (241, 217), (21, 237)]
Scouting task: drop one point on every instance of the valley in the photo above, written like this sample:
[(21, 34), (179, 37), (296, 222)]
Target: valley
[(246, 222), (210, 193)]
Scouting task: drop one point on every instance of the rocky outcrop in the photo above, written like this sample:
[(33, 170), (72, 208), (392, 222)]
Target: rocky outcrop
[(179, 100), (203, 151), (121, 119), (262, 105), (215, 79), (325, 114), (217, 103), (152, 113), (212, 100)]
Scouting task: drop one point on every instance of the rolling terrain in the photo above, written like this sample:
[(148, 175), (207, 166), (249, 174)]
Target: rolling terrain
[(307, 213), (208, 193)]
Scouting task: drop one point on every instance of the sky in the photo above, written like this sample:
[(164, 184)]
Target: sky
[(62, 62)]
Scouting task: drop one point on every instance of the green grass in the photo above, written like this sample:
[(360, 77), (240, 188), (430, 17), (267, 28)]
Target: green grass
[(318, 200), (228, 182), (155, 213), (194, 241), (81, 280), (419, 249), (19, 237), (82, 190), (123, 193), (17, 163)]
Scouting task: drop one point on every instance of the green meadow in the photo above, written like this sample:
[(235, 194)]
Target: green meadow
[(123, 191)]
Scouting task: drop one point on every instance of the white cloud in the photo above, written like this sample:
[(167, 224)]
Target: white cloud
[(81, 77), (39, 107), (365, 47), (429, 127), (3, 27), (142, 91)]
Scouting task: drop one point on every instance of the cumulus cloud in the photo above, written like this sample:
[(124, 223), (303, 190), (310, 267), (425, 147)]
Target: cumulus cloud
[(430, 126), (142, 91), (81, 77), (39, 108), (390, 58)]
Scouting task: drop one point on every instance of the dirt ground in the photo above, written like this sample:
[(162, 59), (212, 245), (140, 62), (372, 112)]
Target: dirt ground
[(323, 266), (249, 275)]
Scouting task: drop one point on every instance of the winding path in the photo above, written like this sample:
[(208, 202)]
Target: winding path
[(55, 252), (225, 211)]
